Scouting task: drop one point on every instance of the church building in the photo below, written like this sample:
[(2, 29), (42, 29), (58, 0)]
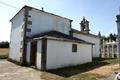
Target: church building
[(48, 41)]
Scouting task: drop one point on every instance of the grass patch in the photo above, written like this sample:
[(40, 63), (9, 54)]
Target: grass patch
[(72, 70), (3, 56), (4, 53), (109, 61), (85, 76), (79, 72)]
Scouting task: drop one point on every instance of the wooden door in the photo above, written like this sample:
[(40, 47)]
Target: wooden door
[(33, 53)]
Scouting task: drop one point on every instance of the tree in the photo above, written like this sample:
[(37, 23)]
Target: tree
[(4, 44), (111, 36)]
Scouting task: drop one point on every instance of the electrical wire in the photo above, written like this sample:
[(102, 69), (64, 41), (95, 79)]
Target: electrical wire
[(8, 5)]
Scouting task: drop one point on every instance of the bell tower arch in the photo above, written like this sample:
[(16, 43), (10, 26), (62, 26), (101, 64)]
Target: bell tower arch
[(84, 26)]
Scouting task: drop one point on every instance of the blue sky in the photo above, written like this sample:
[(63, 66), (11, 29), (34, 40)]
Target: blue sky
[(100, 13)]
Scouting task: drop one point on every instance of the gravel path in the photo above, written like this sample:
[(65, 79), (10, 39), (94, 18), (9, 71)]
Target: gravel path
[(10, 71)]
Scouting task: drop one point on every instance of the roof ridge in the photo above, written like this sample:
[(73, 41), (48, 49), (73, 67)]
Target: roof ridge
[(41, 11), (58, 34), (75, 30)]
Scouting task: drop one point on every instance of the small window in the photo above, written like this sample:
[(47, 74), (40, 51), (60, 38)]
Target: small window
[(74, 47), (30, 22), (29, 16), (28, 30)]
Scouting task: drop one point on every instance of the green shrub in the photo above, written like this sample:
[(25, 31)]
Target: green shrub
[(3, 56)]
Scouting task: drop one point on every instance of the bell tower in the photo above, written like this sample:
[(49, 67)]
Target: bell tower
[(84, 26)]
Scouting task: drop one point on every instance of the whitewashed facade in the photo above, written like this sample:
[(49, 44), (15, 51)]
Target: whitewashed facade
[(89, 38), (15, 37), (47, 41), (59, 54), (44, 22)]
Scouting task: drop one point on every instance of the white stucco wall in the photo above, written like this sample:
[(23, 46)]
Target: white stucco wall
[(38, 54), (90, 39), (43, 22), (16, 38), (28, 52), (59, 54)]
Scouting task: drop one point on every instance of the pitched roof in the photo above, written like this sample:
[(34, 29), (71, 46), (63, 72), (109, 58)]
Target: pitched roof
[(57, 34), (39, 10), (79, 32)]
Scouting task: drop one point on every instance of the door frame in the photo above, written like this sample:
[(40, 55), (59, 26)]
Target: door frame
[(33, 45), (44, 54)]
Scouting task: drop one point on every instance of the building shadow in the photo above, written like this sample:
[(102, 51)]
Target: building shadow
[(74, 70)]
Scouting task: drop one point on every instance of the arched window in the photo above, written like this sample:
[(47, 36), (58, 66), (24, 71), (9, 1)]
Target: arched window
[(110, 50), (105, 50)]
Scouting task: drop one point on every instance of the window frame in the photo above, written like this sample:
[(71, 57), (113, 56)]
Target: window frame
[(74, 47)]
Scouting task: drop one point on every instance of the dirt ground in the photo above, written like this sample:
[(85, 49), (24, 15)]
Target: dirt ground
[(105, 70), (10, 71), (4, 51)]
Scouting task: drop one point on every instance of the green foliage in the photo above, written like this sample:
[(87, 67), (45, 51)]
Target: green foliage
[(4, 44), (84, 68), (3, 56), (111, 36)]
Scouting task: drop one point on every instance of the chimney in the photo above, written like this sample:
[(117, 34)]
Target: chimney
[(42, 9)]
